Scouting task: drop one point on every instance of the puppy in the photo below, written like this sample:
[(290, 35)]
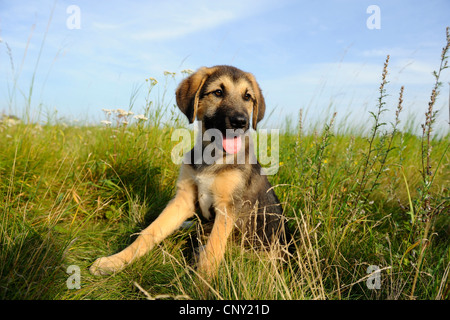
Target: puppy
[(220, 176)]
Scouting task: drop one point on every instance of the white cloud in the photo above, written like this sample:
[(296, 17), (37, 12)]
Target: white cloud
[(357, 74), (108, 26), (383, 52), (171, 19), (177, 25)]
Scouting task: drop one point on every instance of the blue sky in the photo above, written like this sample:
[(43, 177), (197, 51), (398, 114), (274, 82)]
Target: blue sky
[(315, 55)]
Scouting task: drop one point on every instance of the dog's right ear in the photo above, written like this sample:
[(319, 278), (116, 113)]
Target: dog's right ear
[(188, 92)]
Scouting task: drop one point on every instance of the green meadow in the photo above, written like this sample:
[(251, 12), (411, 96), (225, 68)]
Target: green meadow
[(368, 209)]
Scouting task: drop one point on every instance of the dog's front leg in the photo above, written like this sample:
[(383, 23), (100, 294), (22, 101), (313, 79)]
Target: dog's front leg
[(225, 188), (177, 211), (214, 251)]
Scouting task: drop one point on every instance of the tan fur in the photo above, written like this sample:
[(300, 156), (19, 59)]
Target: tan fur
[(220, 187), (188, 91), (238, 89), (223, 188)]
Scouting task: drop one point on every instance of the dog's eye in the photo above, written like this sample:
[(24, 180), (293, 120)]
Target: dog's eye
[(247, 97), (218, 93)]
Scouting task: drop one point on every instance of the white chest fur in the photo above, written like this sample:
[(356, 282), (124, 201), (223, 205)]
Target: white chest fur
[(205, 195)]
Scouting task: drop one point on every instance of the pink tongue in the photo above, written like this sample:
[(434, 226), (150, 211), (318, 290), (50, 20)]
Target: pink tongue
[(232, 145)]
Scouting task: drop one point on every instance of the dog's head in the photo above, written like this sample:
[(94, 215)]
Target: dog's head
[(222, 97)]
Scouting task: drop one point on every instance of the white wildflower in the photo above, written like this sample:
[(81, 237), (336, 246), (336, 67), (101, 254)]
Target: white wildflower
[(187, 71), (140, 117), (106, 122), (123, 113), (108, 112), (10, 122), (153, 81), (168, 73)]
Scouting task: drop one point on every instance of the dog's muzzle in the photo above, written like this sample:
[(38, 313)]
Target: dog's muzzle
[(239, 121)]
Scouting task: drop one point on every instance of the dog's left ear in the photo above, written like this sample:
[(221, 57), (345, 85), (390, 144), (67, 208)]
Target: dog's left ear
[(259, 105), (188, 92)]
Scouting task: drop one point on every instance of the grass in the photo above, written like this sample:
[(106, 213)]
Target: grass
[(69, 194)]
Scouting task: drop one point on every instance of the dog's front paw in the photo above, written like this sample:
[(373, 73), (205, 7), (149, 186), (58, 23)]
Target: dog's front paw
[(205, 267), (106, 265)]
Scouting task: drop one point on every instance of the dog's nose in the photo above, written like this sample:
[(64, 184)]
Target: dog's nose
[(238, 121)]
